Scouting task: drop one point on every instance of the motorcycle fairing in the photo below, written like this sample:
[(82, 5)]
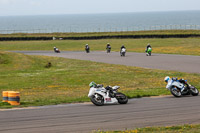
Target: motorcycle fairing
[(178, 84)]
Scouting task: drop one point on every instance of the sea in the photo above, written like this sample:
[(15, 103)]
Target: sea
[(108, 22)]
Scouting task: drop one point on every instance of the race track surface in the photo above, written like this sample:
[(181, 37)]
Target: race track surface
[(85, 118), (182, 63)]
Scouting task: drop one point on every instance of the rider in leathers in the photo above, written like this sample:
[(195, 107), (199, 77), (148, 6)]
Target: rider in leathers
[(169, 82)]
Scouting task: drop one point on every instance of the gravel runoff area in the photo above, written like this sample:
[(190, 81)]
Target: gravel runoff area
[(182, 63)]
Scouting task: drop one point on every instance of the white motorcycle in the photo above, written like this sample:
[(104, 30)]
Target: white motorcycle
[(123, 52), (181, 87), (109, 95)]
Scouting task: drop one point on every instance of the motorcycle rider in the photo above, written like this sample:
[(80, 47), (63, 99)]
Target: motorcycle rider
[(87, 48), (108, 47), (93, 84), (169, 82), (56, 50), (122, 47), (108, 88), (148, 46)]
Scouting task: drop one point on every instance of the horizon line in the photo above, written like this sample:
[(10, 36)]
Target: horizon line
[(96, 13)]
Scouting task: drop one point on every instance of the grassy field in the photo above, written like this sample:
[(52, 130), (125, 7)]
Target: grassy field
[(186, 46), (153, 32), (67, 80), (171, 129)]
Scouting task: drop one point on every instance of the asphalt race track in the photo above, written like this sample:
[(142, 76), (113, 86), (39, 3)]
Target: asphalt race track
[(182, 63), (86, 117)]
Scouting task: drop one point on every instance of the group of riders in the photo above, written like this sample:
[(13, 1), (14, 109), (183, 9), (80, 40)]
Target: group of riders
[(122, 49), (108, 49)]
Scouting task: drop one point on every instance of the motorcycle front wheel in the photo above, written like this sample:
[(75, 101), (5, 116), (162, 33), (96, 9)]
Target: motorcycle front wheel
[(149, 53), (175, 92), (98, 101), (122, 99), (194, 91)]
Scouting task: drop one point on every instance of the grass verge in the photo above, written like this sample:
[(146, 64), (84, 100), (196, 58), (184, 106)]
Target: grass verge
[(185, 46), (66, 81), (169, 129), (88, 34)]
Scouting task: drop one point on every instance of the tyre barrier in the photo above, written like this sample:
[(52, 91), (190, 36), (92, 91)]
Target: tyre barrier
[(101, 37), (5, 96), (14, 98)]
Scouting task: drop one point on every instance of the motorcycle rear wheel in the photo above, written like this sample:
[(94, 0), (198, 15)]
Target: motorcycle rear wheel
[(97, 102), (175, 92), (122, 99), (194, 91)]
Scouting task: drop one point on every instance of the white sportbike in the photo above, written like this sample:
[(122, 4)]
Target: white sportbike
[(123, 52), (180, 87), (109, 95)]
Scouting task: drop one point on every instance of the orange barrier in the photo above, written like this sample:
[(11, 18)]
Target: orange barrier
[(14, 98), (5, 96)]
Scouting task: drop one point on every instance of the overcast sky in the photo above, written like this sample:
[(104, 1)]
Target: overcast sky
[(43, 7)]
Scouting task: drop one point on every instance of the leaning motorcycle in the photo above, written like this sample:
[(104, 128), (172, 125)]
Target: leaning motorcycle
[(181, 87), (109, 95), (148, 51), (56, 50)]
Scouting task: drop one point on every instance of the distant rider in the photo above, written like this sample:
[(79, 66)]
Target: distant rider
[(122, 48), (148, 46), (54, 49), (87, 48), (108, 48)]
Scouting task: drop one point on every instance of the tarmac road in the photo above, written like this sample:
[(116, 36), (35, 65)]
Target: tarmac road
[(85, 118), (182, 63)]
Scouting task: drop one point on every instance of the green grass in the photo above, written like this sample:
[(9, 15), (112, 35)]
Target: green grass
[(185, 46), (153, 32), (169, 129), (66, 81)]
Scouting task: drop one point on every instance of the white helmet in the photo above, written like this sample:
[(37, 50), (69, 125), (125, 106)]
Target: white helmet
[(167, 78), (86, 44)]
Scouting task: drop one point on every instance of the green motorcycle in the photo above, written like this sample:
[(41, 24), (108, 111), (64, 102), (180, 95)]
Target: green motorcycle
[(148, 51)]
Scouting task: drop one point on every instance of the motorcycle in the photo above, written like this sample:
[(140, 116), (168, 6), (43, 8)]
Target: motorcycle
[(87, 49), (108, 49), (109, 95), (123, 52), (181, 87), (148, 51), (56, 50)]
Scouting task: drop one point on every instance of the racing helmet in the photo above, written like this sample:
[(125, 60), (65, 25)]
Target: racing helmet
[(167, 78), (92, 84)]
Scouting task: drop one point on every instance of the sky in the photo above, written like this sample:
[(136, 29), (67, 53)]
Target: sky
[(51, 7)]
